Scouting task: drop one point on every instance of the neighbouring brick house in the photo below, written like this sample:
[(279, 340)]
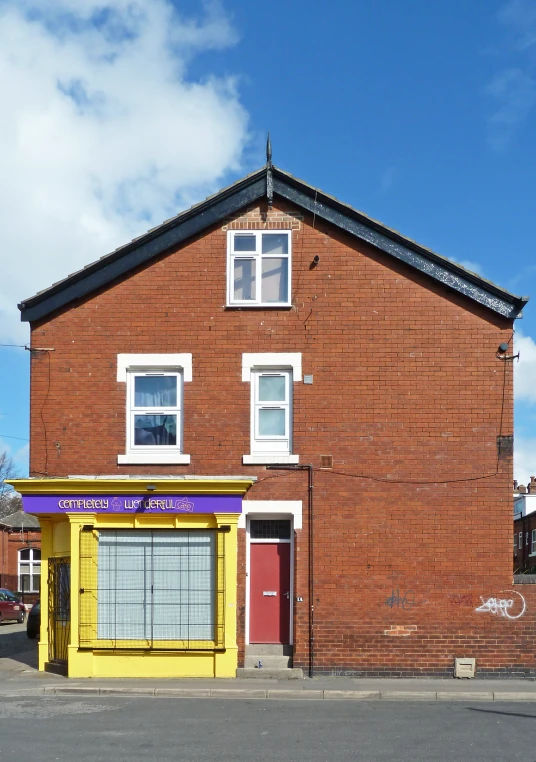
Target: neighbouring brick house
[(525, 527), (272, 426), (20, 551)]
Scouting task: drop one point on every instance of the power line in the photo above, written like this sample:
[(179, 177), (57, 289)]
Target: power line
[(22, 439)]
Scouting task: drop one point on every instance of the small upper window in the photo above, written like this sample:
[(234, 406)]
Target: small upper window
[(154, 402), (259, 268), (29, 570), (271, 423)]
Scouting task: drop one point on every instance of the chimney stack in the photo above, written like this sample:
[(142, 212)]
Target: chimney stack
[(532, 486)]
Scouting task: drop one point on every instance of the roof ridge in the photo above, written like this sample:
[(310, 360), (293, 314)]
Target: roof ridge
[(251, 188)]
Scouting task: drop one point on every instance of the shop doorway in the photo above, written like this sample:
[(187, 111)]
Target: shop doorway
[(59, 609), (270, 581)]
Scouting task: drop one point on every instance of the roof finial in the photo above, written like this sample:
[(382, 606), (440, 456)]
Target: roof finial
[(269, 151)]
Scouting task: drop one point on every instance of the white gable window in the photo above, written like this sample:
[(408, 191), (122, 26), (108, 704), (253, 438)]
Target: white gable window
[(154, 407), (271, 425), (258, 268)]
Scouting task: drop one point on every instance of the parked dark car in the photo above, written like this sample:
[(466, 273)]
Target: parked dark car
[(10, 606), (33, 625)]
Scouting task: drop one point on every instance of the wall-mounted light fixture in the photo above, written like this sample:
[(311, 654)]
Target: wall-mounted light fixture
[(501, 353)]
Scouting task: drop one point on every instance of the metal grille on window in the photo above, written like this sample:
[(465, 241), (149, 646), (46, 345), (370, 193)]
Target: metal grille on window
[(59, 608), (269, 529), (153, 589)]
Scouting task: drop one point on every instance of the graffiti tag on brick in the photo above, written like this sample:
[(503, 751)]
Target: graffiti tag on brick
[(404, 601), (459, 599), (511, 608)]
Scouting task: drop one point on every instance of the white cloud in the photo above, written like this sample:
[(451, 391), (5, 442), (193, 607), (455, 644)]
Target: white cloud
[(525, 369), (514, 93), (520, 16), (524, 459), (513, 89), (474, 267), (103, 133)]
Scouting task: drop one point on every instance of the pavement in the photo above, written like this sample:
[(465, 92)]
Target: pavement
[(19, 676)]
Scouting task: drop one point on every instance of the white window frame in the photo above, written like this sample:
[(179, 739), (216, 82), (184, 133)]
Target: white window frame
[(34, 566), (254, 364), (128, 368), (533, 543), (133, 410), (257, 256), (520, 540), (274, 443)]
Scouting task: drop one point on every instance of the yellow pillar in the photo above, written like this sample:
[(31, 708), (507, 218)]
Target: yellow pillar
[(46, 552), (79, 664), (225, 663)]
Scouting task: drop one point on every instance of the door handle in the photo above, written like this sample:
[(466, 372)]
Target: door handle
[(287, 594)]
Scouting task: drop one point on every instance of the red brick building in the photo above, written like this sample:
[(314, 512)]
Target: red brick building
[(352, 381), (20, 555), (525, 528)]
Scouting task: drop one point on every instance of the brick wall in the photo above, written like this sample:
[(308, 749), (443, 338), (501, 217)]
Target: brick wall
[(10, 544), (407, 396)]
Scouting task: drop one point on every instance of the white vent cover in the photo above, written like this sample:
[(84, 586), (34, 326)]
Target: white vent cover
[(464, 667)]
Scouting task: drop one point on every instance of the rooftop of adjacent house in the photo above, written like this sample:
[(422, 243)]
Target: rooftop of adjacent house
[(20, 520), (269, 183)]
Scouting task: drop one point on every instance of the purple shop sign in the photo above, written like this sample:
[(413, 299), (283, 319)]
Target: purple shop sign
[(133, 503)]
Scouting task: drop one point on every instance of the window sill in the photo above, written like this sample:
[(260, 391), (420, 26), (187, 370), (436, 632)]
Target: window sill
[(153, 459), (268, 460), (531, 555), (258, 306)]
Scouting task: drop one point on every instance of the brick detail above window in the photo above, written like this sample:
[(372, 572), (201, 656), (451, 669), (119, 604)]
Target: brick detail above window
[(271, 219)]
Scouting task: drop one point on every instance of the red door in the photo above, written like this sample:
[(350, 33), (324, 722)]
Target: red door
[(269, 592)]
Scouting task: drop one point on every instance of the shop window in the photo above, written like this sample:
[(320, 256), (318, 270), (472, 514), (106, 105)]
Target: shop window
[(156, 589), (29, 570), (259, 267), (154, 407)]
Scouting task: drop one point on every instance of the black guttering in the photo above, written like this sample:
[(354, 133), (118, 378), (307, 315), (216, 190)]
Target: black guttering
[(148, 246), (391, 242), (230, 200)]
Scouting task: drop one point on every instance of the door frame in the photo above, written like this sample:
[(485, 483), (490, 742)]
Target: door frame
[(286, 517)]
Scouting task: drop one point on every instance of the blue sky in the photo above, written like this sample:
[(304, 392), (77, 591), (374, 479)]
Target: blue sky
[(420, 114)]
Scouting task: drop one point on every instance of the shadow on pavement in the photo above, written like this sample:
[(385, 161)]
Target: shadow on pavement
[(506, 714), (16, 647)]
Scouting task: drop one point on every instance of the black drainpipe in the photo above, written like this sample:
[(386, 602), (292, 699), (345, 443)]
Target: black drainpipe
[(309, 468)]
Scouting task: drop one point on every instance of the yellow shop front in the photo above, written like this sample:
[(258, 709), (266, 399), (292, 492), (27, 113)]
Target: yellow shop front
[(139, 576)]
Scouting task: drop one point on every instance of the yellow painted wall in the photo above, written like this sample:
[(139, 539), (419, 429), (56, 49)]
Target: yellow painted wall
[(60, 536)]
